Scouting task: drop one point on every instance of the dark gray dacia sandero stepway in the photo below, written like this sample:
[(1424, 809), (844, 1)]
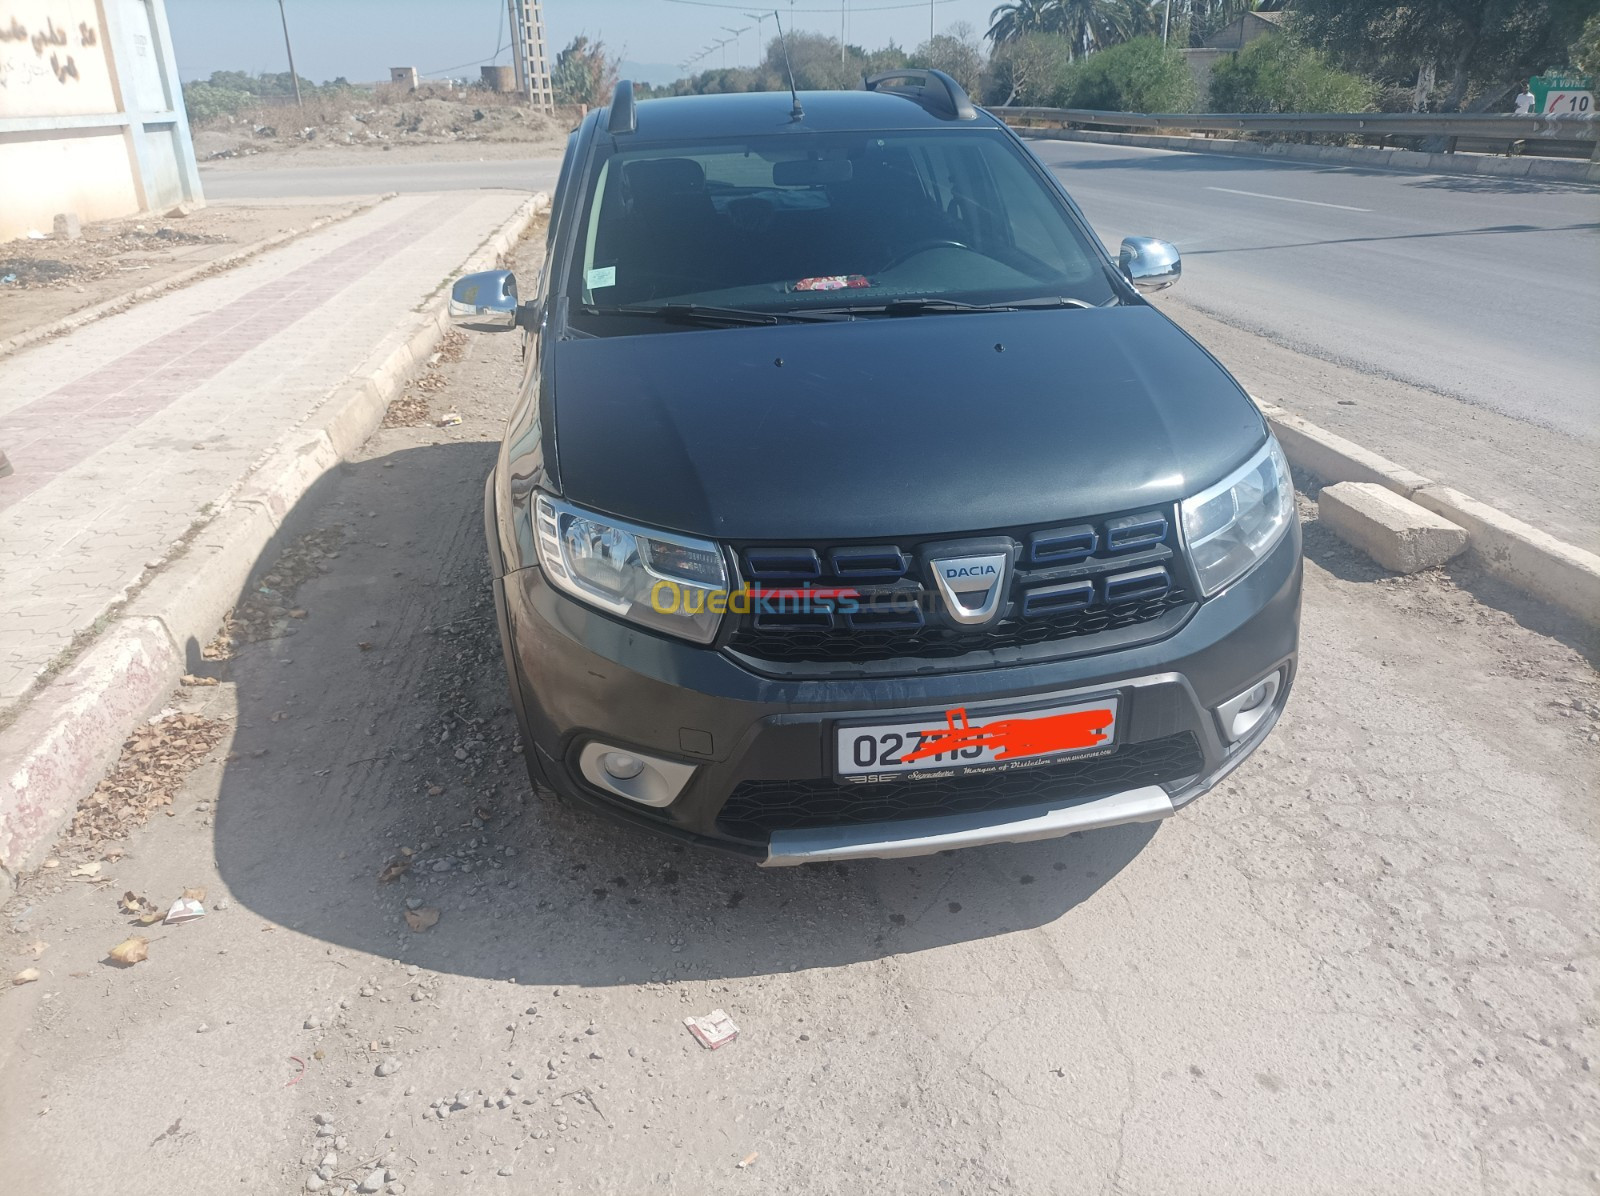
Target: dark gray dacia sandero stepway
[(855, 503)]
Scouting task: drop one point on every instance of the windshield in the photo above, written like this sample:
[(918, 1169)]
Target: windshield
[(796, 222)]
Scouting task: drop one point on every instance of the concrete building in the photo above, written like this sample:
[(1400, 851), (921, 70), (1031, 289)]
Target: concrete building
[(91, 113), (1230, 39), (405, 76)]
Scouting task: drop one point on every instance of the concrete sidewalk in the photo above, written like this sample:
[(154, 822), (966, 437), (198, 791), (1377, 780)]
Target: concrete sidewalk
[(133, 430)]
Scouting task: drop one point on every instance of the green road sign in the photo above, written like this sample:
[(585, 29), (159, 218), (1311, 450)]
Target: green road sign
[(1562, 95)]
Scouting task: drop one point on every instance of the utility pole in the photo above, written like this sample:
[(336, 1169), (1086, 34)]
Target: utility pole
[(737, 35), (293, 78), (1166, 20), (527, 53), (843, 9), (931, 3)]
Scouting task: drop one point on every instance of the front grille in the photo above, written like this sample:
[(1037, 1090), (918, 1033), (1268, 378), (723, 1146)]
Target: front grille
[(757, 808), (1067, 581)]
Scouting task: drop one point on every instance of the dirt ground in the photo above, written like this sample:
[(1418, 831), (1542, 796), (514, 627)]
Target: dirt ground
[(1367, 963), (387, 120), (42, 281)]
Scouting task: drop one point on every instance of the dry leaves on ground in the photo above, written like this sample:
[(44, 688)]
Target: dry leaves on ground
[(154, 762), (265, 612), (130, 951), (453, 345), (407, 411), (140, 909)]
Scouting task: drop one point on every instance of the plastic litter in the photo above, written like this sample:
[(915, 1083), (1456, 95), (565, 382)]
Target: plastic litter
[(450, 420), (714, 1030), (184, 909)]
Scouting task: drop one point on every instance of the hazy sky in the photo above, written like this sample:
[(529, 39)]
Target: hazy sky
[(362, 39)]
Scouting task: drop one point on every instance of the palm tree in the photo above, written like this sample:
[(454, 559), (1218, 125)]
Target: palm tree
[(1092, 24), (1016, 19)]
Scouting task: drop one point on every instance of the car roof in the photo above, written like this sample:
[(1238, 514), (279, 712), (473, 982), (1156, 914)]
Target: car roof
[(742, 114)]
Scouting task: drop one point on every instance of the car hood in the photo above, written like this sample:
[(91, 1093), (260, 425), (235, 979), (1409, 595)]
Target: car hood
[(896, 427)]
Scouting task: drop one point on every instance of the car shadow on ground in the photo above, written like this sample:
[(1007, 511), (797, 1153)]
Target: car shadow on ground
[(373, 721)]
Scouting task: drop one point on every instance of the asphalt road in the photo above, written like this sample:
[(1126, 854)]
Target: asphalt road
[(1485, 290), (374, 176), (1364, 964)]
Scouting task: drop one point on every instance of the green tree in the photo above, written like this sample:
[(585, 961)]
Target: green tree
[(818, 64), (1026, 70), (1585, 52), (1095, 24), (1020, 18), (1480, 49), (890, 58), (956, 53), (1283, 74), (1140, 75), (584, 73)]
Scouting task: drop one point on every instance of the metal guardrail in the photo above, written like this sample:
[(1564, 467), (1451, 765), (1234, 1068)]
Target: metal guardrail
[(1497, 127)]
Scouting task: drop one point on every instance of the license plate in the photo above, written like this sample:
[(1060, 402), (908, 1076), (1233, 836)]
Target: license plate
[(959, 745)]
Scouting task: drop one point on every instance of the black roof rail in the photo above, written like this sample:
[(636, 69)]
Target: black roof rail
[(934, 90), (624, 116)]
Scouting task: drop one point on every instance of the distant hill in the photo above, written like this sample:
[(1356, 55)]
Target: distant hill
[(659, 73)]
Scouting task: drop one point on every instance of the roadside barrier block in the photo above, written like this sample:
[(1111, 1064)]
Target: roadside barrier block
[(1394, 531)]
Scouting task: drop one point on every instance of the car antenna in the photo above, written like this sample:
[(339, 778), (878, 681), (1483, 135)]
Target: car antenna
[(796, 112)]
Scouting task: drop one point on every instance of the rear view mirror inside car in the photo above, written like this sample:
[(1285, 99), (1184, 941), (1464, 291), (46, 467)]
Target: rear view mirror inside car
[(810, 172)]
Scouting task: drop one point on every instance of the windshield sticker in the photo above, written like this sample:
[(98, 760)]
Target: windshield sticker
[(832, 282), (605, 276)]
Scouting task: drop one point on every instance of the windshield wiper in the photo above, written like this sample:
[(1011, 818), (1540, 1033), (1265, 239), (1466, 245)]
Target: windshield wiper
[(700, 313), (919, 307)]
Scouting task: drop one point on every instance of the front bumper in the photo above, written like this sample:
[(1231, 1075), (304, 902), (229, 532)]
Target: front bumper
[(579, 677)]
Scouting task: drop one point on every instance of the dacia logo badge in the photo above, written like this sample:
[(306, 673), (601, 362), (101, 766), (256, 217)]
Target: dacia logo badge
[(972, 586)]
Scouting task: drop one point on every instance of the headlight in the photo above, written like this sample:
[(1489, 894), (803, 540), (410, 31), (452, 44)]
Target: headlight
[(657, 579), (1235, 523)]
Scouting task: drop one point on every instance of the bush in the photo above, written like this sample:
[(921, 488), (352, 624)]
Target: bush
[(205, 102), (1140, 75), (1280, 74)]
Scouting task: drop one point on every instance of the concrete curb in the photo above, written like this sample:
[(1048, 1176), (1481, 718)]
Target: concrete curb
[(71, 730), (1516, 552), (1569, 170), (111, 307)]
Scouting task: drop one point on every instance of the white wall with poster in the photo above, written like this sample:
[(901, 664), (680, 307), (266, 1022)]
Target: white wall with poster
[(91, 113)]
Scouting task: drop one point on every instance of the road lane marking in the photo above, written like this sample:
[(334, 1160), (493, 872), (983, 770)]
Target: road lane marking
[(1316, 203)]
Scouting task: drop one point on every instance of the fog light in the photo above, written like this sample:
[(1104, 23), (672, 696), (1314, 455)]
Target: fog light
[(1247, 703), (648, 780), (1242, 714), (621, 765)]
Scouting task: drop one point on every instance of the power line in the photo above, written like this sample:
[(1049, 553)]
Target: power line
[(499, 47)]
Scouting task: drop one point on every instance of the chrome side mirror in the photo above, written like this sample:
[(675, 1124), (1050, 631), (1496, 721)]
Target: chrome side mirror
[(1149, 264), (487, 297)]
